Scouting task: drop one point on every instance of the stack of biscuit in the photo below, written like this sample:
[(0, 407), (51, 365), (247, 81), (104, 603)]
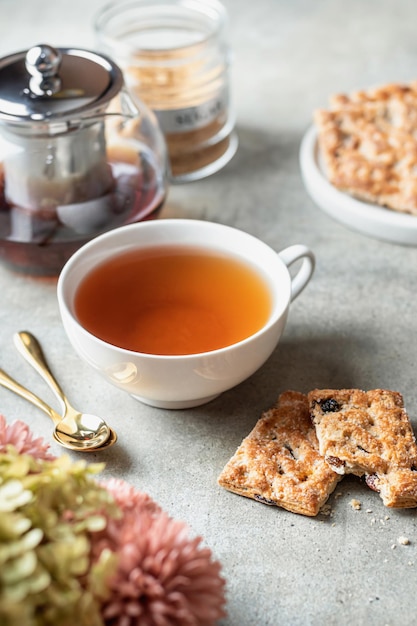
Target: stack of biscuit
[(368, 143), (302, 447)]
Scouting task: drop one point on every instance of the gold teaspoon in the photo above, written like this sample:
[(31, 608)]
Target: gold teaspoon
[(67, 442), (82, 431)]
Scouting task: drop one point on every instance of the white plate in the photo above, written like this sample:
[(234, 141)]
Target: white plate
[(369, 219)]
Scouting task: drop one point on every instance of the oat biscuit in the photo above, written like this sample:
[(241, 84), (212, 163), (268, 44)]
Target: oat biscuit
[(278, 463), (368, 434), (368, 143)]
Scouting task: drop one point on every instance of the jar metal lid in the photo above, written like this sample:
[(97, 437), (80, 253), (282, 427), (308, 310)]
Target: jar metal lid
[(55, 84)]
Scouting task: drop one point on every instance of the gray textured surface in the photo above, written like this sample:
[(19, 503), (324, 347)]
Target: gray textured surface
[(355, 325)]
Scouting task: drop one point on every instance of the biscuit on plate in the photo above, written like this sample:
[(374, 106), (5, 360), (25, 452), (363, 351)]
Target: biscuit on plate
[(368, 143), (368, 434), (278, 463)]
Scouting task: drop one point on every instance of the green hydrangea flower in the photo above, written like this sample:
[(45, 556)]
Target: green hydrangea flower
[(48, 508)]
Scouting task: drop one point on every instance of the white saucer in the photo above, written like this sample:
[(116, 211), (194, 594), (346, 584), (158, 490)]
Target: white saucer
[(369, 219)]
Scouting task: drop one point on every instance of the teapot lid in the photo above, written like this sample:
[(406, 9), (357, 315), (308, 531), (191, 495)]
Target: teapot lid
[(55, 84)]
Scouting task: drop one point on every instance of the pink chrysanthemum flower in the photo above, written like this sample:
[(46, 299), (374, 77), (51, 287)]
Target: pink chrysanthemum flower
[(19, 435), (130, 499), (163, 577)]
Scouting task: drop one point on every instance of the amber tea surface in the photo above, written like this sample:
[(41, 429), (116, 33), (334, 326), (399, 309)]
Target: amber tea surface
[(173, 300)]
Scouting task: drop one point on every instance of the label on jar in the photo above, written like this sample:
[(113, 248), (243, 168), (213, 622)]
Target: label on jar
[(192, 118)]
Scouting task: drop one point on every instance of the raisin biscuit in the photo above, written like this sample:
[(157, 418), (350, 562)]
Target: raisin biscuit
[(368, 143), (278, 463), (368, 434)]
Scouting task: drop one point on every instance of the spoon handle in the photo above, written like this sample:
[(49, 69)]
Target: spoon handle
[(30, 349), (9, 383)]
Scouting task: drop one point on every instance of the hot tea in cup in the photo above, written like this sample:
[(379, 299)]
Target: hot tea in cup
[(172, 300)]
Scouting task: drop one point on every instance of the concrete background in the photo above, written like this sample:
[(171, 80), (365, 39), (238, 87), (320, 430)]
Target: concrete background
[(355, 324)]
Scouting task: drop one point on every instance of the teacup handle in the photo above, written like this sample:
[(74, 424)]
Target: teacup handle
[(294, 253)]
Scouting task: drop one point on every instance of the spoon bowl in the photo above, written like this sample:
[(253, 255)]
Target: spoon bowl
[(75, 430), (82, 447)]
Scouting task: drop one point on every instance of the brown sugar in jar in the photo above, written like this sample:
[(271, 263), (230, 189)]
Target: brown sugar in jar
[(175, 58)]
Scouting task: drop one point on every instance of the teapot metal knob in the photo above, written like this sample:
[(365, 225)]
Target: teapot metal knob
[(43, 62)]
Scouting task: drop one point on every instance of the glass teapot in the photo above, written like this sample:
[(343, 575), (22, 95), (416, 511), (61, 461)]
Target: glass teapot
[(77, 156)]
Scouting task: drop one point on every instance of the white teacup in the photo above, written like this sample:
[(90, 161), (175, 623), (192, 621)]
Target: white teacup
[(184, 381)]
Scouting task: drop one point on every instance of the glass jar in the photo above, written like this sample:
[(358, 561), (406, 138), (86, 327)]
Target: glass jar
[(175, 57), (77, 156)]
